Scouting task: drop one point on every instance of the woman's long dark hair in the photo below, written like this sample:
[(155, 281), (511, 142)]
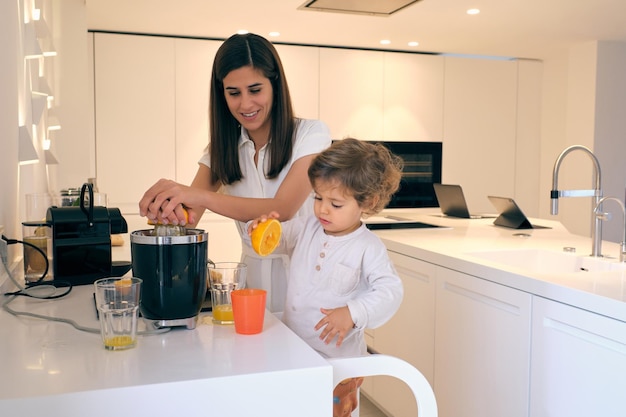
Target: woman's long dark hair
[(257, 52)]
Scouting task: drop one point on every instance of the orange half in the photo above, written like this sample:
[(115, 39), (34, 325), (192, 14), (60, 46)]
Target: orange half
[(266, 237)]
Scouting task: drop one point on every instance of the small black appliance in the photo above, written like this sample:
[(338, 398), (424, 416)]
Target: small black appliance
[(81, 241), (174, 271)]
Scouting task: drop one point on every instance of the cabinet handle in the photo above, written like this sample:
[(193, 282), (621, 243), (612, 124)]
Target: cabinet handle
[(482, 298), (413, 274), (585, 335)]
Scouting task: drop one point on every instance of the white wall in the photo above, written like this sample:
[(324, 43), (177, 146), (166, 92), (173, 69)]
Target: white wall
[(74, 146), (610, 129), (67, 74), (584, 92), (9, 115)]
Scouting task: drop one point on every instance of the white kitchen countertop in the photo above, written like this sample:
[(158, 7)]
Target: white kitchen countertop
[(600, 292), (53, 369)]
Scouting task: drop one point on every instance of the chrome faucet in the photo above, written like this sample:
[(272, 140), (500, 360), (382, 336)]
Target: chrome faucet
[(596, 230), (606, 216)]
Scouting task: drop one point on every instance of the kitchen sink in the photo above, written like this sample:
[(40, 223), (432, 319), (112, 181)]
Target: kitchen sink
[(548, 261)]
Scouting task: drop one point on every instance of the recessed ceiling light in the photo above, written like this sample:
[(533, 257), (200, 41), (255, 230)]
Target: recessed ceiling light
[(274, 34), (385, 42), (242, 32), (473, 11), (413, 43)]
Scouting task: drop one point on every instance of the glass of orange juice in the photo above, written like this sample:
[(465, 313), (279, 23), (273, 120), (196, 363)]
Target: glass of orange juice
[(117, 300), (225, 277)]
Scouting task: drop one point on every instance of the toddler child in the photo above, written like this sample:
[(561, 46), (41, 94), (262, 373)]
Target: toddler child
[(341, 280)]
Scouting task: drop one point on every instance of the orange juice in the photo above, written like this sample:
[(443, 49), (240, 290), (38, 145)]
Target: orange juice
[(223, 313), (117, 342)]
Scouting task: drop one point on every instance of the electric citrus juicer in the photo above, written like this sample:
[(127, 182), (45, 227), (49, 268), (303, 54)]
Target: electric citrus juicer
[(173, 267)]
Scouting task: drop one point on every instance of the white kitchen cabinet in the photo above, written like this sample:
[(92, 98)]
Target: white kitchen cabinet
[(413, 97), (302, 69), (482, 347), (135, 115), (578, 362), (479, 128), (374, 95), (409, 335), (194, 61), (351, 93)]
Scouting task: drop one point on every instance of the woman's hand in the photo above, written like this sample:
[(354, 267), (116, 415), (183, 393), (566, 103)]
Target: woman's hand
[(166, 202), (336, 323)]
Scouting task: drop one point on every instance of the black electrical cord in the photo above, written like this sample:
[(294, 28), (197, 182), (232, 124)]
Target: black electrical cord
[(40, 281), (31, 291), (38, 249)]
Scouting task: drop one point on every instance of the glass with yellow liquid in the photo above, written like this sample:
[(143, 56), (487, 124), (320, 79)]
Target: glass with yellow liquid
[(37, 251), (223, 313), (224, 277), (117, 300)]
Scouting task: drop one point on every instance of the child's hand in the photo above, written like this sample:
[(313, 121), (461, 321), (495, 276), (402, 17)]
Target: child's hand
[(253, 225), (337, 322)]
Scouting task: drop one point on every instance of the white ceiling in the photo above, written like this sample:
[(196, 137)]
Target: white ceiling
[(517, 28)]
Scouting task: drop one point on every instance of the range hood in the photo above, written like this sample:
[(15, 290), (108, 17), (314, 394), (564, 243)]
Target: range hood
[(368, 7)]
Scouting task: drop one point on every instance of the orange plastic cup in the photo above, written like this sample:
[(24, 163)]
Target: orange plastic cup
[(248, 310)]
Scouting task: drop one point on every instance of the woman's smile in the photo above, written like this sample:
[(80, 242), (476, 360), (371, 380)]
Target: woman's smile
[(249, 97)]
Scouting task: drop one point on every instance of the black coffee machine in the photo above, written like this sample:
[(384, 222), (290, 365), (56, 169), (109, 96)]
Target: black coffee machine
[(81, 240)]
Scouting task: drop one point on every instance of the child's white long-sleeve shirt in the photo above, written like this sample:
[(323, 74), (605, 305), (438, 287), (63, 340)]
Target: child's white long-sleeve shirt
[(335, 271)]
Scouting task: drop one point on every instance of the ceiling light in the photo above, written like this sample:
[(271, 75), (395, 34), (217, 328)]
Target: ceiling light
[(385, 42), (413, 43), (242, 32), (274, 34), (473, 11), (369, 7)]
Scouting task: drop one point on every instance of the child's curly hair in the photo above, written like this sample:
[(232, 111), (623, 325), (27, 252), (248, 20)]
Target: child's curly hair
[(368, 171)]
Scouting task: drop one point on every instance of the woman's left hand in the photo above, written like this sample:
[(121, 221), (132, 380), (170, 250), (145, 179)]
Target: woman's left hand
[(165, 202)]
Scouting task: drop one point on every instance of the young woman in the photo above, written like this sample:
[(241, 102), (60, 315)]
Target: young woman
[(257, 158)]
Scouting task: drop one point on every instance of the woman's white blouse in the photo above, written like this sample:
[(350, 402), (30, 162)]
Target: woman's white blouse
[(312, 137)]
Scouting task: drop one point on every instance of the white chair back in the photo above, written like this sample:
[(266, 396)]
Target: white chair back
[(378, 364)]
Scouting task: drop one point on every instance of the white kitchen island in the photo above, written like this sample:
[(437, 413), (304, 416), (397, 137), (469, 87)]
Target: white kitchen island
[(493, 339), (52, 369), (504, 335)]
